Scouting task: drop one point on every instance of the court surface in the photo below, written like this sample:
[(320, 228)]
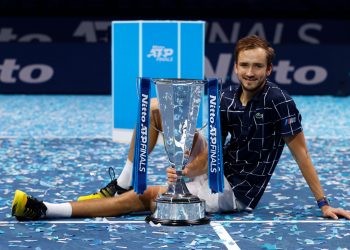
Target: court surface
[(59, 147)]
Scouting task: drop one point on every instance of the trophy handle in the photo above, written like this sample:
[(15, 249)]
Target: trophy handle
[(202, 128)]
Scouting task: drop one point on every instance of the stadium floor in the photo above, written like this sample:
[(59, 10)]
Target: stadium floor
[(59, 147)]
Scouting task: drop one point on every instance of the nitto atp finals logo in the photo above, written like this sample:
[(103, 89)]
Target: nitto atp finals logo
[(161, 53)]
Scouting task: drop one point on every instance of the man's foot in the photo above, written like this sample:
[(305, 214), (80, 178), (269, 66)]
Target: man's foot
[(108, 191), (25, 207)]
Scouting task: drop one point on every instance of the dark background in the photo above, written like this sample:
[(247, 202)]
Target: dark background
[(136, 9), (312, 33)]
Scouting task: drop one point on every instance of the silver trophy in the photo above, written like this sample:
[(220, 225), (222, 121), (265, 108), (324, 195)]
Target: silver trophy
[(179, 101)]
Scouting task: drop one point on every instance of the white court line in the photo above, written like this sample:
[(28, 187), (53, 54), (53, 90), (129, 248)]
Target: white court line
[(50, 137), (76, 222), (218, 228), (330, 221), (218, 221), (224, 236), (122, 137), (217, 225)]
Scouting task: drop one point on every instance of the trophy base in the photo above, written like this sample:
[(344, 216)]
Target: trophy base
[(184, 211), (165, 222)]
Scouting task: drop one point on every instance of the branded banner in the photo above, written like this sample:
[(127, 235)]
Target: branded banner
[(280, 31), (215, 162), (55, 69), (55, 56), (155, 49), (299, 69), (72, 55), (140, 163)]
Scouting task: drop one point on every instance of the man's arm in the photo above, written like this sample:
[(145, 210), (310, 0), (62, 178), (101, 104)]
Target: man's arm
[(198, 166), (298, 148)]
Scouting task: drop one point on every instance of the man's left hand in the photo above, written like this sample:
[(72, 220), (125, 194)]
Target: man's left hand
[(335, 213)]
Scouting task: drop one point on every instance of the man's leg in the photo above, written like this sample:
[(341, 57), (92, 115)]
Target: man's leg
[(154, 128), (124, 179), (114, 206), (25, 207), (123, 182)]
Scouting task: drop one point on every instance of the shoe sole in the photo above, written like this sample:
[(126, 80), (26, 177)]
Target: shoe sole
[(19, 202)]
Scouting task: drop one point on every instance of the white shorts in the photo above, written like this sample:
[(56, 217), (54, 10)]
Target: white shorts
[(199, 186), (218, 202)]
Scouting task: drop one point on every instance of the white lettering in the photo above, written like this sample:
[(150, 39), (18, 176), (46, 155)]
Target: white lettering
[(7, 69), (319, 75), (285, 72), (212, 133), (217, 34), (213, 157), (144, 107), (143, 157), (278, 33), (7, 35), (222, 66), (217, 31), (282, 69), (307, 38), (44, 73), (89, 30), (144, 134), (235, 32), (168, 52), (258, 29), (212, 108), (161, 53), (35, 37), (33, 73), (86, 29)]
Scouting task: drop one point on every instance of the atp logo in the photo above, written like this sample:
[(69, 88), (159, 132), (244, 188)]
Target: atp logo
[(161, 53)]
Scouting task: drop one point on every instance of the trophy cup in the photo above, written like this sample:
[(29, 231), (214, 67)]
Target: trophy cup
[(179, 101)]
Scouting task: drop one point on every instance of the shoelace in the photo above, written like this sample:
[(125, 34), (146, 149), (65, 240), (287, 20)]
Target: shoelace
[(110, 171), (112, 176), (111, 185)]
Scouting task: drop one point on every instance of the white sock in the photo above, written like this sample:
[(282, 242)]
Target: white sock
[(124, 179), (62, 210)]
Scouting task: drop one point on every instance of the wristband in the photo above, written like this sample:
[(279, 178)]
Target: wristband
[(323, 202)]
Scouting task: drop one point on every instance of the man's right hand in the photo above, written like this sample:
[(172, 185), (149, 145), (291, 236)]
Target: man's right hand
[(171, 174), (198, 166)]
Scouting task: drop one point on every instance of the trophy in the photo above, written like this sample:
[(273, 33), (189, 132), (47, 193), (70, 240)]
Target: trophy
[(179, 101)]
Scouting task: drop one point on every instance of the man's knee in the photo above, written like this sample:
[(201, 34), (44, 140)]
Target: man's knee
[(154, 103), (156, 119), (150, 195)]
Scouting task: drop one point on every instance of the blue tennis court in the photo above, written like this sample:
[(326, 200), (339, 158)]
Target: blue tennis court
[(59, 147)]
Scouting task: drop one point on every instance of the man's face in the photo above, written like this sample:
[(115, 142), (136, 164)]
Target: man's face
[(252, 69)]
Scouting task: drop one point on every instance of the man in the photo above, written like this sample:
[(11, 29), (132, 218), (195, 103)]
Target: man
[(260, 118)]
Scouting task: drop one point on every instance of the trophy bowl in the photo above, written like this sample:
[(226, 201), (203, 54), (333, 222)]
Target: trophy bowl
[(179, 101)]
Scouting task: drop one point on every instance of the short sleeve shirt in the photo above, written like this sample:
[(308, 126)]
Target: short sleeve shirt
[(256, 138)]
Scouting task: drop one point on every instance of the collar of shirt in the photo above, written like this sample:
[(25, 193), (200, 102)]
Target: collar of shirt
[(249, 110), (255, 98)]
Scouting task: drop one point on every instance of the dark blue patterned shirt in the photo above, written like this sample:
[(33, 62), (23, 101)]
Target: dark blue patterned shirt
[(256, 141)]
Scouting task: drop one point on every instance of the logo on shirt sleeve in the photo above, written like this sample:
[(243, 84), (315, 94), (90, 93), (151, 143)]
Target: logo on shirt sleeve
[(290, 120)]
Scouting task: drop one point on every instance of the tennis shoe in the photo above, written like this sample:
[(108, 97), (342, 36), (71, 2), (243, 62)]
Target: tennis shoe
[(110, 190), (25, 207)]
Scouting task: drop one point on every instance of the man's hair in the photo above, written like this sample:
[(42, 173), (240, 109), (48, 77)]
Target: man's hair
[(253, 42)]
